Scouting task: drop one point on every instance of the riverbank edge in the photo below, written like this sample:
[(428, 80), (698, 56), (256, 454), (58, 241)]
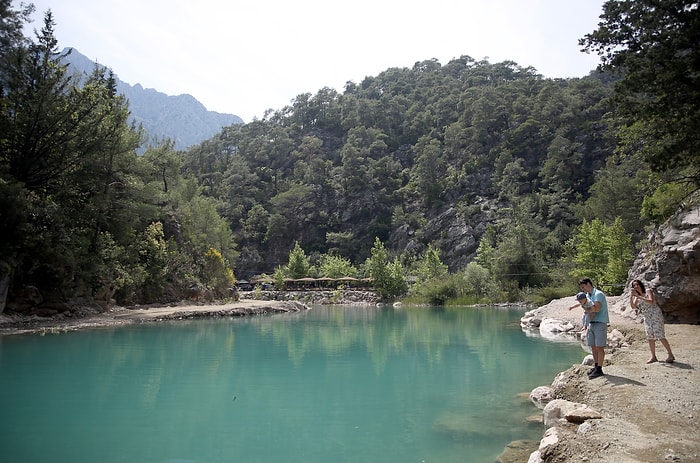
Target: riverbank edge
[(248, 303), (90, 318), (641, 422)]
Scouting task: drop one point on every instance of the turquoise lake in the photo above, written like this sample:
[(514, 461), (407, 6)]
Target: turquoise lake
[(332, 384)]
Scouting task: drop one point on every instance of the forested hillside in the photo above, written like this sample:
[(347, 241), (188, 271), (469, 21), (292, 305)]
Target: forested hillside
[(468, 179), (444, 154)]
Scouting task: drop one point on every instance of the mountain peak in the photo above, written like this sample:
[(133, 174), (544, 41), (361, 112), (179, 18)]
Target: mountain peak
[(181, 118)]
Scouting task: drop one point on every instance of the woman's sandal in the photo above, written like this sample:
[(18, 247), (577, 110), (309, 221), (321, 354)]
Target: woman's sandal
[(671, 359), (652, 360)]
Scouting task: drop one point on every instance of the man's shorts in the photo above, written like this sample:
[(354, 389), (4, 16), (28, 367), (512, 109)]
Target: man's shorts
[(597, 334)]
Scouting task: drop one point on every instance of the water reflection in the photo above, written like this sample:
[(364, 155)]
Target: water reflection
[(341, 384), (427, 332)]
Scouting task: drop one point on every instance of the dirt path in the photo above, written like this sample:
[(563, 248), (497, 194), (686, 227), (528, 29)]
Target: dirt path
[(650, 411)]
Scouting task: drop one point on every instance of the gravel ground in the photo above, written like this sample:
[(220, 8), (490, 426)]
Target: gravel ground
[(650, 411)]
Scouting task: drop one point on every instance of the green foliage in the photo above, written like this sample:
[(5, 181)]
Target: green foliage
[(485, 252), (439, 291), (278, 277), (544, 295), (203, 227), (11, 23), (298, 265), (430, 170), (402, 149), (473, 285), (388, 277), (216, 274), (396, 284), (519, 254), (257, 292), (665, 201), (653, 46), (480, 284), (618, 245), (335, 267), (438, 161), (115, 270), (602, 252), (431, 267), (376, 264), (618, 191), (337, 296), (153, 251), (589, 247), (81, 212)]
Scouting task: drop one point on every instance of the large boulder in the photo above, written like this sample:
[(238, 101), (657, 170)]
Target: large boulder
[(560, 411), (670, 264), (541, 396)]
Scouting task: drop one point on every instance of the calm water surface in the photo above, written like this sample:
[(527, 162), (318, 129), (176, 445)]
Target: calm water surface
[(334, 384)]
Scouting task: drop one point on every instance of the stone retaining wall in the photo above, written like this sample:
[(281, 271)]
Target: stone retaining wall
[(325, 297)]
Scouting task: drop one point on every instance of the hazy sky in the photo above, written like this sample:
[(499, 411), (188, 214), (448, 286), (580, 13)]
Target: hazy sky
[(246, 56)]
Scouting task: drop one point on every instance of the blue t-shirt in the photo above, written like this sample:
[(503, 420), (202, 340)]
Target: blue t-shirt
[(602, 315)]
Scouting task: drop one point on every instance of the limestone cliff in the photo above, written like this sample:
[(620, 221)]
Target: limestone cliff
[(670, 264)]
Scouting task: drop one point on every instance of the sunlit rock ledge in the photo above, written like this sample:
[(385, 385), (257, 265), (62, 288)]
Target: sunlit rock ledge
[(219, 312)]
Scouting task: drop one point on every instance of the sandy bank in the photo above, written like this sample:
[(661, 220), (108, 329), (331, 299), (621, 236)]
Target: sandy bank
[(120, 316)]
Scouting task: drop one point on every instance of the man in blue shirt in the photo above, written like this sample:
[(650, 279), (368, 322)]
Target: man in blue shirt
[(597, 334)]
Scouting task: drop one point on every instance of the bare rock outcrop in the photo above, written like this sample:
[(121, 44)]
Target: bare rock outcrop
[(560, 411), (670, 263), (559, 416)]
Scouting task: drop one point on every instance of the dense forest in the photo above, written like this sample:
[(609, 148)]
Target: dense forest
[(468, 180)]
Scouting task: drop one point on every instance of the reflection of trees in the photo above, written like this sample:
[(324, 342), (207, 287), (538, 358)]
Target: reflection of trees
[(168, 358), (181, 377), (427, 332), (184, 359)]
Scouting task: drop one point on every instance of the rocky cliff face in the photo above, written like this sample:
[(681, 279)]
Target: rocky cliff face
[(456, 231), (181, 118), (670, 264)]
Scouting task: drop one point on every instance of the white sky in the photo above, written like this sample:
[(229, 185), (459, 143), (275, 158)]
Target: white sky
[(245, 56)]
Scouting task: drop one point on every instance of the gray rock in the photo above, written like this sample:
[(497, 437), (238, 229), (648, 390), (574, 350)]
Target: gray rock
[(517, 451), (541, 396), (559, 411), (670, 264)]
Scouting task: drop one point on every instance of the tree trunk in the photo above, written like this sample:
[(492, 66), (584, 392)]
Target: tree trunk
[(5, 277)]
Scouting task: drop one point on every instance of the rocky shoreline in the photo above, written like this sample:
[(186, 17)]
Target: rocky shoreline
[(636, 413)]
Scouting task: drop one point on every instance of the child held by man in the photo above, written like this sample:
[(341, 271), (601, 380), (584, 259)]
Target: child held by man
[(586, 304)]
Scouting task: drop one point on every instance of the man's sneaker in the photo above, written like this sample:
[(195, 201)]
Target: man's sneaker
[(590, 372), (595, 373)]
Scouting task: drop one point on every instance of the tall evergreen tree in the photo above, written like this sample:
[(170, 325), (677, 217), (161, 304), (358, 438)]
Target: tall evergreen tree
[(655, 46), (298, 265)]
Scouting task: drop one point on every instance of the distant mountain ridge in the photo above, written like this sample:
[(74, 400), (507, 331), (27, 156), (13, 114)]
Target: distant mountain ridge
[(180, 118)]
